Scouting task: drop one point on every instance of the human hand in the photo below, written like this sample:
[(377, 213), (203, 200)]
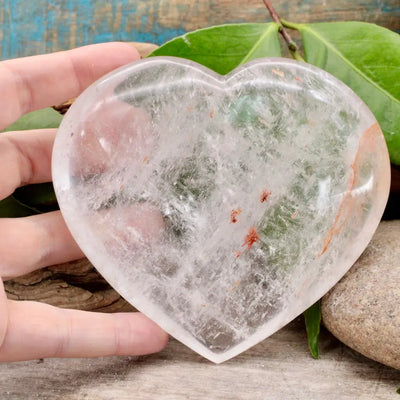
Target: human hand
[(31, 330)]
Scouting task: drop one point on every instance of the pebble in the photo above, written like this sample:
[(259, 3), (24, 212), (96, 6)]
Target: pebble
[(363, 309)]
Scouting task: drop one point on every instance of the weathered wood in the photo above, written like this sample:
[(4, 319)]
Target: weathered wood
[(71, 285), (280, 368), (33, 27)]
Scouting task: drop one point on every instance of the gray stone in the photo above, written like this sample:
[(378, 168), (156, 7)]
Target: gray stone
[(363, 309)]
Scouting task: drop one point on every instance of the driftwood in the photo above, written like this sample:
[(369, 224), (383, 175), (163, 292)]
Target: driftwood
[(71, 285)]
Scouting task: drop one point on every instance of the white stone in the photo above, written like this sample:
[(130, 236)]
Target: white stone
[(221, 206)]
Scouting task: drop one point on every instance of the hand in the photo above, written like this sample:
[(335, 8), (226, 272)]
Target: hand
[(31, 330)]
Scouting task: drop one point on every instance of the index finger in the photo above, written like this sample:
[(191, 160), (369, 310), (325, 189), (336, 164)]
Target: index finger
[(37, 330), (31, 83)]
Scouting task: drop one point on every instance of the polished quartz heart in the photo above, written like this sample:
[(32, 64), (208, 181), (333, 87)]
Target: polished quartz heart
[(221, 206)]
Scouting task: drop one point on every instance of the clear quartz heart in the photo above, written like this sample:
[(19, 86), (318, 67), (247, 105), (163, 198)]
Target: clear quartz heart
[(221, 206)]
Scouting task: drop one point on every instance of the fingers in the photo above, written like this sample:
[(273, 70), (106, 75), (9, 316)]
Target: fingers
[(25, 158), (32, 83), (34, 242), (38, 241), (37, 330)]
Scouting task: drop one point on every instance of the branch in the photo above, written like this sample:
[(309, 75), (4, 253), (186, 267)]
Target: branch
[(292, 46)]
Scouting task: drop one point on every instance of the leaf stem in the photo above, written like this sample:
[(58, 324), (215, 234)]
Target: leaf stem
[(288, 24), (292, 46)]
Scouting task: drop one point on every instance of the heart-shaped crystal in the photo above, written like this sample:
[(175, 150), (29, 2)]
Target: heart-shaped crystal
[(221, 206)]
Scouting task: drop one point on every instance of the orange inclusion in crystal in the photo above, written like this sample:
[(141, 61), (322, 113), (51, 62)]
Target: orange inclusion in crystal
[(234, 214), (264, 196), (251, 238), (367, 141), (235, 284)]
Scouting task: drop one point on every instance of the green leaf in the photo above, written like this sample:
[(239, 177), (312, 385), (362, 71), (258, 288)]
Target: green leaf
[(312, 318), (367, 58), (10, 207), (39, 197), (398, 390), (223, 48), (45, 118)]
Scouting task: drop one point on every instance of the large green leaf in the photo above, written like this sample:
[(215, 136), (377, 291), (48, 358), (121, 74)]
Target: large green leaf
[(367, 58), (45, 118), (222, 48)]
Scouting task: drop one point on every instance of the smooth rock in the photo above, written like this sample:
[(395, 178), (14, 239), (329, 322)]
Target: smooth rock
[(363, 309)]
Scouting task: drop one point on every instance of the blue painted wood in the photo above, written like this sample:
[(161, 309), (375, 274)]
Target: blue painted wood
[(33, 27), (36, 26)]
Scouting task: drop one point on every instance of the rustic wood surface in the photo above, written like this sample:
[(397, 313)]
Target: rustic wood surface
[(278, 368)]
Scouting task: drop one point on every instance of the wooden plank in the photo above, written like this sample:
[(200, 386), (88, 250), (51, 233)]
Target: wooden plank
[(278, 368), (32, 27)]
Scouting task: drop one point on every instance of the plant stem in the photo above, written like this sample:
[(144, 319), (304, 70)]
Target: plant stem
[(292, 46)]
